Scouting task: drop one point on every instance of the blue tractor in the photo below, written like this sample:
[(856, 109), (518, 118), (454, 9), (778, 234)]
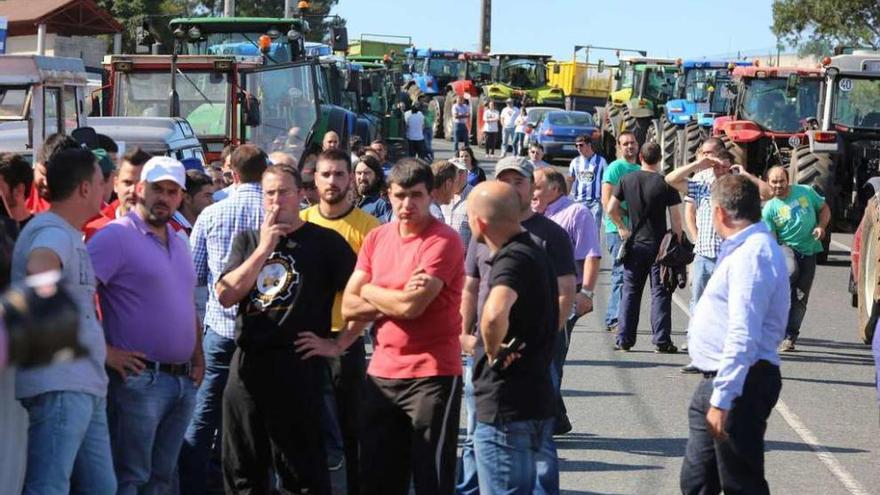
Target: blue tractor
[(700, 95), (430, 71)]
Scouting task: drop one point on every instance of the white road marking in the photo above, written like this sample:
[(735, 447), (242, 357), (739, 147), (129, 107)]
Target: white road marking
[(824, 455), (840, 245)]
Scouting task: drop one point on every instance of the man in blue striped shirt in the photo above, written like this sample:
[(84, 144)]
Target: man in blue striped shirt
[(585, 177), (736, 327), (211, 241)]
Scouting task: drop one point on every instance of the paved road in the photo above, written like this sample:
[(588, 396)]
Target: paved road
[(629, 409)]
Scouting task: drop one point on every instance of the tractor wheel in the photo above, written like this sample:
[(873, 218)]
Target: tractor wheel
[(613, 113), (738, 152), (867, 290), (668, 137), (448, 122), (817, 170), (693, 138), (651, 135), (626, 122), (437, 106)]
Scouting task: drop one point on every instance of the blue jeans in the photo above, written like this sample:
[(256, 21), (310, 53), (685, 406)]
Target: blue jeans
[(612, 242), (68, 445), (517, 458), (506, 138), (203, 430), (459, 134), (148, 415), (518, 138), (429, 150), (466, 483), (330, 422), (700, 272)]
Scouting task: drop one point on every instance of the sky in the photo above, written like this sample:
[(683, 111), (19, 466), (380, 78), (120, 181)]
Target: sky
[(670, 28)]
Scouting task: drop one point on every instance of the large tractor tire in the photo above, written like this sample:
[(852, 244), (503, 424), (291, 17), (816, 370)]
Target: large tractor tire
[(668, 135), (868, 288), (693, 138), (738, 152), (817, 170), (627, 122), (437, 106)]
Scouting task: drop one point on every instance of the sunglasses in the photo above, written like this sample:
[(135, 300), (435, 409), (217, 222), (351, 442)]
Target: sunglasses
[(580, 144)]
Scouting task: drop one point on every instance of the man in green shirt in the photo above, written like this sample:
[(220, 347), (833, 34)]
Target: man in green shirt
[(428, 130), (799, 217), (628, 151)]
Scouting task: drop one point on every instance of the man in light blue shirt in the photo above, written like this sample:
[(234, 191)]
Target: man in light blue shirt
[(734, 333)]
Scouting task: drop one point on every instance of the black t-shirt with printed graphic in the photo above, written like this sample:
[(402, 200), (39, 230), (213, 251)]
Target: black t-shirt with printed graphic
[(295, 288)]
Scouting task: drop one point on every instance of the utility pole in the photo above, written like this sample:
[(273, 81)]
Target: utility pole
[(486, 27), (228, 8)]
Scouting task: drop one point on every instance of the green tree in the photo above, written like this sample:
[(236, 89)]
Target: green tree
[(814, 25)]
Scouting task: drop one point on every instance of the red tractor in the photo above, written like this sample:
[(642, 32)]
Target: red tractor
[(476, 72), (771, 108)]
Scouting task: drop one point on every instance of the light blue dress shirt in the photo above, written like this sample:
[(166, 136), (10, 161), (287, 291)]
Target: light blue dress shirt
[(741, 316)]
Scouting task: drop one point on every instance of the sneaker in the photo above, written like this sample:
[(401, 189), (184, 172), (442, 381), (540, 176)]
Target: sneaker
[(787, 345), (666, 349), (622, 347), (335, 464), (562, 426), (611, 328), (690, 370)]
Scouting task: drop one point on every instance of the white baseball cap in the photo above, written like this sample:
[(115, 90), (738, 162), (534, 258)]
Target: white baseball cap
[(161, 168)]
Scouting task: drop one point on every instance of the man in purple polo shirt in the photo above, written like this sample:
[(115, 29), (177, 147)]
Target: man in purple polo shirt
[(145, 283), (551, 199)]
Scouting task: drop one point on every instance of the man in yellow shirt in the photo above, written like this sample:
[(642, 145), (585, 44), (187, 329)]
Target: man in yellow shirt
[(345, 354)]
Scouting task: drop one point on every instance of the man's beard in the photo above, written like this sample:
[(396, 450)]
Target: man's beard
[(337, 197), (364, 190), (159, 219)]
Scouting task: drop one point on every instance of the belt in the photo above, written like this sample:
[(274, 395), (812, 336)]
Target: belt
[(171, 369), (760, 364)]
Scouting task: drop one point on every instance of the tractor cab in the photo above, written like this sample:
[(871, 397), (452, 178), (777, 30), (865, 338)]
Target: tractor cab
[(476, 67), (522, 77), (39, 96), (277, 40), (640, 75)]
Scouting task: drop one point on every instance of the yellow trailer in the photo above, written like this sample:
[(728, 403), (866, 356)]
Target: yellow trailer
[(585, 85)]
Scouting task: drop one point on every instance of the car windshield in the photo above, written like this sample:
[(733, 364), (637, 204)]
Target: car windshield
[(203, 98), (857, 102), (523, 73), (12, 102), (443, 67), (288, 107), (694, 86), (765, 102), (569, 119)]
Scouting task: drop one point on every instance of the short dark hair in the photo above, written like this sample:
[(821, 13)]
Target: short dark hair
[(626, 133), (107, 143), (227, 150), (717, 142), (16, 170), (249, 162), (443, 171), (196, 180), (136, 156), (335, 155), (285, 169), (650, 153), (379, 141), (410, 172), (53, 144), (536, 145), (583, 138), (67, 169), (738, 196), (726, 155)]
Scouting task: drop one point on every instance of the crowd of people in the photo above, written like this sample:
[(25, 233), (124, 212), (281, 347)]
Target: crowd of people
[(227, 311)]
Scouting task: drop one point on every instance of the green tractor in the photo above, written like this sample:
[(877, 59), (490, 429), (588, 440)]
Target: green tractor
[(643, 85), (521, 77)]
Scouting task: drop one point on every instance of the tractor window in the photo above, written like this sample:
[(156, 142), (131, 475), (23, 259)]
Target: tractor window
[(203, 95), (12, 102), (443, 67), (857, 103), (766, 103), (697, 83), (479, 70), (659, 85), (523, 73), (51, 113), (627, 77), (288, 108)]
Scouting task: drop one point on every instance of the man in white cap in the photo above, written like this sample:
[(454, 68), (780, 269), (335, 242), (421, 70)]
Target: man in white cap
[(145, 280)]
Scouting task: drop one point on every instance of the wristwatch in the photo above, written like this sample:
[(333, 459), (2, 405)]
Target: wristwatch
[(587, 293)]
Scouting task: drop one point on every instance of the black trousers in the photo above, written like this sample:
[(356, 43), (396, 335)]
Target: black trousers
[(491, 141), (348, 373), (638, 267), (272, 419), (736, 465), (409, 430)]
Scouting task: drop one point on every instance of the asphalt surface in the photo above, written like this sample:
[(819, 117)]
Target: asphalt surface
[(629, 410)]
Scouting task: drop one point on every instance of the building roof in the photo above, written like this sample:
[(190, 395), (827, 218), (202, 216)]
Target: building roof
[(66, 17)]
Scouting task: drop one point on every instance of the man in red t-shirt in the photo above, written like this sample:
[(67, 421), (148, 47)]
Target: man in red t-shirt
[(124, 182), (409, 278)]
